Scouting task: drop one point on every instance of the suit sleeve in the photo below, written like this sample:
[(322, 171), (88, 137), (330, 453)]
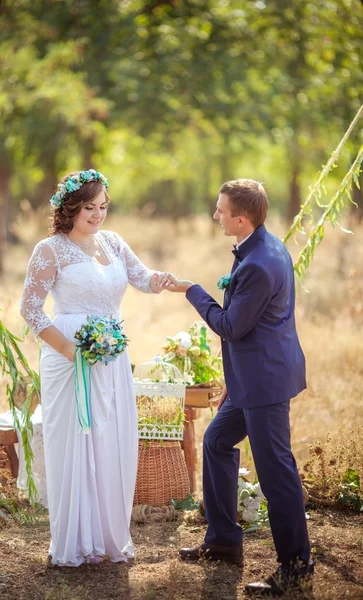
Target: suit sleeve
[(250, 299)]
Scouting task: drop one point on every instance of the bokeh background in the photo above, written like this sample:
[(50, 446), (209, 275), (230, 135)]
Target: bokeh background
[(169, 99)]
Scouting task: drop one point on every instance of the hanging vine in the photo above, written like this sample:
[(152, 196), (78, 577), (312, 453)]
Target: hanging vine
[(330, 215), (331, 210), (318, 189)]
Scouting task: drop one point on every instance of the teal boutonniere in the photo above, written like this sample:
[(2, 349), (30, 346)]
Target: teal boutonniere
[(224, 282)]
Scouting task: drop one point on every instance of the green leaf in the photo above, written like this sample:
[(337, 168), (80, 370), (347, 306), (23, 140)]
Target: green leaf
[(351, 476), (188, 503)]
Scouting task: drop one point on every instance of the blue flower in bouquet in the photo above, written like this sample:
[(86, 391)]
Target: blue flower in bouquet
[(101, 339), (224, 282)]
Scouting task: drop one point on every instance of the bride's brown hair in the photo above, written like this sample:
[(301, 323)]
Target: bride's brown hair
[(63, 215)]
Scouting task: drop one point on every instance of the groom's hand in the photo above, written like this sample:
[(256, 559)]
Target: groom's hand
[(222, 398), (177, 285)]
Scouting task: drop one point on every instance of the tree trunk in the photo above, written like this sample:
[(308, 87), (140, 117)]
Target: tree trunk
[(88, 148), (294, 203), (46, 188), (5, 212), (225, 165)]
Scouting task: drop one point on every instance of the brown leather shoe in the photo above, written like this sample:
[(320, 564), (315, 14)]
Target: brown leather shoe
[(228, 554), (286, 578)]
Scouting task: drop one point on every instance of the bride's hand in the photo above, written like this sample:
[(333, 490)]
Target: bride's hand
[(159, 280), (70, 351)]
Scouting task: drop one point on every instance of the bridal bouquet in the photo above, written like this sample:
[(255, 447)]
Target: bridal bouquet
[(191, 352), (101, 339)]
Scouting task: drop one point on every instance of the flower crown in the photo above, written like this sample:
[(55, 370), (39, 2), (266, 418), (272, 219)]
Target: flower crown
[(74, 183)]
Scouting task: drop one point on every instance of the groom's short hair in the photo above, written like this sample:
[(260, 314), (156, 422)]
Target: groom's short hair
[(247, 197)]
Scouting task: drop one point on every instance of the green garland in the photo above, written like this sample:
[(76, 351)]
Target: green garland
[(10, 357)]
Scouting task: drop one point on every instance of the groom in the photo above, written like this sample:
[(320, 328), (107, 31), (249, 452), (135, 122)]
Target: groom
[(264, 368)]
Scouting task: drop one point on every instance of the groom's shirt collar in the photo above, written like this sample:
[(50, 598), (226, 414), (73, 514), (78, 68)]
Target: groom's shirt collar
[(248, 242), (244, 240)]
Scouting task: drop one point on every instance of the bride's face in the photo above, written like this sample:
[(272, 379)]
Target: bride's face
[(92, 215)]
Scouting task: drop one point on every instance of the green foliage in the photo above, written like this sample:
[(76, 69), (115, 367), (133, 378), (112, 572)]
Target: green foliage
[(172, 98), (350, 493), (188, 503), (11, 358)]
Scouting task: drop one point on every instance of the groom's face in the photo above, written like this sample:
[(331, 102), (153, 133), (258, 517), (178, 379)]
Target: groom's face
[(223, 214)]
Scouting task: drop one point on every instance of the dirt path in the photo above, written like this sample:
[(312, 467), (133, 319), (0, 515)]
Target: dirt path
[(156, 574)]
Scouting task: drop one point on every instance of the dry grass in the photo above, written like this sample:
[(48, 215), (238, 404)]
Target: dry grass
[(156, 573)]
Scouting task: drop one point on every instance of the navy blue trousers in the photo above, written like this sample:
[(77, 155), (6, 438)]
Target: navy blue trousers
[(268, 429)]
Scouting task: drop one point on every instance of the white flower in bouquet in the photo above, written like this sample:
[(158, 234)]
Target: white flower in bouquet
[(195, 350), (191, 353), (184, 339), (181, 351)]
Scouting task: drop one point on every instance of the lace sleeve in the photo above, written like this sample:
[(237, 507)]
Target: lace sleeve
[(40, 278), (138, 275)]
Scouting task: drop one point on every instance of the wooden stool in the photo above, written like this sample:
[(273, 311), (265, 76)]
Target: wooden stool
[(8, 439), (196, 398)]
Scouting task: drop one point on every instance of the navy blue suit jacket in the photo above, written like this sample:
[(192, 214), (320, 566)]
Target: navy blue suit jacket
[(262, 357)]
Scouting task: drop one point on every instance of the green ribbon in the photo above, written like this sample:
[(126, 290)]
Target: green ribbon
[(83, 391)]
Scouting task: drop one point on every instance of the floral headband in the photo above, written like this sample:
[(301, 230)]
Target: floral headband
[(74, 183)]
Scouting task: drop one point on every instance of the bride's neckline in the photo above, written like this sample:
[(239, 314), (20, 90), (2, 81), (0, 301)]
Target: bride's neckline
[(91, 258)]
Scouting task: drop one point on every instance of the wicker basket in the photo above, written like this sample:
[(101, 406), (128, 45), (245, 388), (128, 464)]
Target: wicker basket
[(162, 473)]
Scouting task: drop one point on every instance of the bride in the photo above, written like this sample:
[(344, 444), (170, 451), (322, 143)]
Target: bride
[(90, 478)]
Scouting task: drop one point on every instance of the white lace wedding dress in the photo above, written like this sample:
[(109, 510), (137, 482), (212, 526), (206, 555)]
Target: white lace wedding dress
[(90, 478)]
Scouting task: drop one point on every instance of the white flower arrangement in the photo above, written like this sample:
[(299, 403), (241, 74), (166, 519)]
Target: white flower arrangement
[(190, 352), (251, 501)]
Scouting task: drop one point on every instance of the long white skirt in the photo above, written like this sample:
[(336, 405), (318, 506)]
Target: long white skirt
[(90, 477)]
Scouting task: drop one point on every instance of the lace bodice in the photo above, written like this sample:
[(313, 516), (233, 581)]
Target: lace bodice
[(77, 282)]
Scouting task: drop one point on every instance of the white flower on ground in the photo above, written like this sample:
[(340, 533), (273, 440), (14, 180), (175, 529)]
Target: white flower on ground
[(252, 503), (244, 495), (245, 485), (257, 490), (249, 516), (242, 471)]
